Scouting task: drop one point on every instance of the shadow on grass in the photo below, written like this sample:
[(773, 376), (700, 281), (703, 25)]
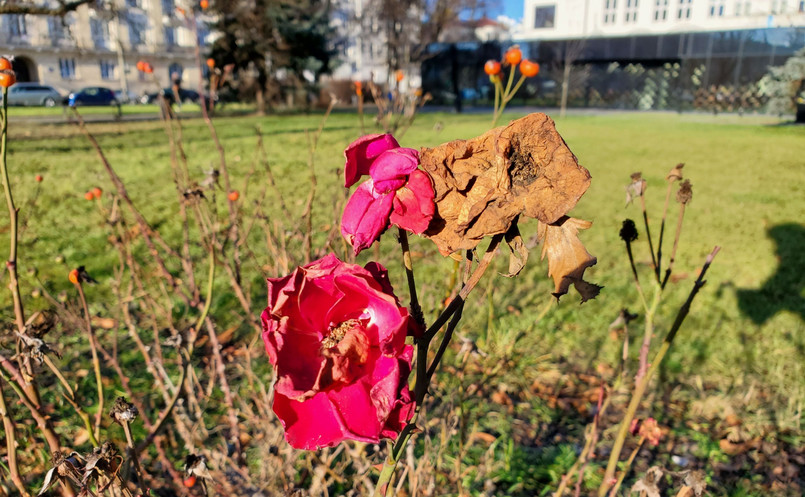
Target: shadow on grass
[(783, 291)]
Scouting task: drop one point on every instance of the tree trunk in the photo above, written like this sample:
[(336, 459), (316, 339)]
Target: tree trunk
[(565, 86), (260, 100)]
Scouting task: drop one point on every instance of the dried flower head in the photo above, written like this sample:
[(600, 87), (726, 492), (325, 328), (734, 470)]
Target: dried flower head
[(675, 174), (636, 188), (484, 183), (123, 411), (685, 193), (628, 231)]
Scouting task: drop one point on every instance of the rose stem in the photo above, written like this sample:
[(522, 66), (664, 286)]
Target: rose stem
[(72, 399), (648, 235), (11, 446), (662, 224), (676, 244), (133, 455), (96, 363), (416, 309), (626, 468), (643, 383)]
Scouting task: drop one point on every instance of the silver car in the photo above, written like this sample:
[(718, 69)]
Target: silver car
[(33, 94)]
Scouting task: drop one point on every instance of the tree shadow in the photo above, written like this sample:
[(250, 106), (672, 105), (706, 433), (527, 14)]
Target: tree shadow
[(783, 291)]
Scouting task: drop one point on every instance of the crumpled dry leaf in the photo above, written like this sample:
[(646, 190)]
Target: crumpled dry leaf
[(519, 254), (483, 184), (636, 188), (567, 257), (649, 482), (696, 481)]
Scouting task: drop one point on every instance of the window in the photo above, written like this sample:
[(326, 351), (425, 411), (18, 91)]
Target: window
[(107, 70), (802, 6), (610, 10), (136, 32), (16, 25), (203, 34), (631, 11), (175, 71), (56, 28), (170, 36), (660, 10), (168, 7), (716, 8), (544, 16), (684, 9), (132, 3), (99, 30), (67, 68)]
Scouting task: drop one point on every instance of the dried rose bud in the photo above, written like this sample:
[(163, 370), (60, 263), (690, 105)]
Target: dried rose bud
[(123, 411), (685, 193), (636, 188), (628, 231)]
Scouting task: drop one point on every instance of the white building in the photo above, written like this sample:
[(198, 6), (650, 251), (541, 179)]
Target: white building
[(363, 54), (101, 47), (574, 19)]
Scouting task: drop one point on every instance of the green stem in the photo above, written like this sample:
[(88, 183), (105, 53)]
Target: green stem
[(640, 389)]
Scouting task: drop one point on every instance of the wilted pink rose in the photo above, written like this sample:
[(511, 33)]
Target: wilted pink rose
[(397, 191), (335, 333)]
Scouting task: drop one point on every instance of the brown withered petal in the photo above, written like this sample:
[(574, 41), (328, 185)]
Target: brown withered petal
[(685, 193), (567, 257), (636, 188), (483, 184), (676, 173), (123, 411)]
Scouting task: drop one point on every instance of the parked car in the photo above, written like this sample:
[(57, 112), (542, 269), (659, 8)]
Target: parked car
[(33, 94), (128, 97), (186, 96), (92, 96)]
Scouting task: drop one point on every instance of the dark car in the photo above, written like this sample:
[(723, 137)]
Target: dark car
[(186, 96), (92, 96), (33, 94)]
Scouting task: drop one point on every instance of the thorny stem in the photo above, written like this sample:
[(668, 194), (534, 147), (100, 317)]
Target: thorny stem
[(11, 263), (626, 468), (11, 446), (648, 331), (133, 455), (640, 388), (676, 244), (70, 396), (423, 372), (42, 422), (96, 363), (634, 274), (648, 236), (497, 100), (416, 309), (662, 224)]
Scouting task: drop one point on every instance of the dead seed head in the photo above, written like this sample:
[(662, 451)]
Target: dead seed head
[(675, 174), (123, 411), (685, 193), (628, 231)]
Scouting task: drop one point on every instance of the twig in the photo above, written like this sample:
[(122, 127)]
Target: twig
[(96, 363)]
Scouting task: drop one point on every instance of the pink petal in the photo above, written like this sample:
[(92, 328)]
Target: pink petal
[(362, 152), (366, 216), (311, 424), (391, 169), (413, 204)]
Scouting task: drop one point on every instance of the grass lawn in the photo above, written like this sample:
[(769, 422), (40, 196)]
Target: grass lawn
[(740, 354)]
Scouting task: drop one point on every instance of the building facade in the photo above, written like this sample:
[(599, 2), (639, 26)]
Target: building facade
[(101, 46), (707, 54)]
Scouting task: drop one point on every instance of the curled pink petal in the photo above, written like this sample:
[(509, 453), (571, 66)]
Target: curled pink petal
[(360, 154), (366, 216), (391, 168), (413, 204)]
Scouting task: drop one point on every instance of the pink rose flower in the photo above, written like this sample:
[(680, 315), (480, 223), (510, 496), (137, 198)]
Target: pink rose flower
[(335, 333), (397, 192)]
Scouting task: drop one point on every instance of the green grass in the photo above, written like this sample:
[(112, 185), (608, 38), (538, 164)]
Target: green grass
[(742, 348)]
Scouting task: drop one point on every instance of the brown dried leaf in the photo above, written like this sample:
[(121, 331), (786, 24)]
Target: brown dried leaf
[(483, 184), (696, 481), (519, 254), (636, 188), (648, 483), (567, 257)]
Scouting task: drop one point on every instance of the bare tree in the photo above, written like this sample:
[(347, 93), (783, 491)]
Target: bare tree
[(572, 51)]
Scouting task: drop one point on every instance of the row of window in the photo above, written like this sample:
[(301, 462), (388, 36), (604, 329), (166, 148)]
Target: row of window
[(544, 16), (107, 68)]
